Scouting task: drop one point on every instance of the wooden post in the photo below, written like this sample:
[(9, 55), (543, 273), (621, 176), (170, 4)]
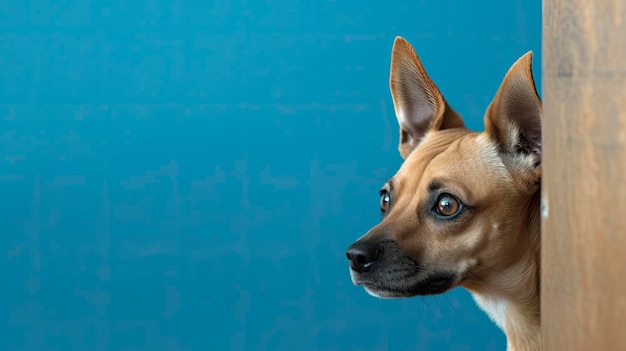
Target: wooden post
[(583, 271)]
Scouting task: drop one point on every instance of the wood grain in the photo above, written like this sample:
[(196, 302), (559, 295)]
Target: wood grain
[(584, 175)]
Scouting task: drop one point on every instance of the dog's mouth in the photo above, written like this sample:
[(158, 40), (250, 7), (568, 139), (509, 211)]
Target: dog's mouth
[(432, 284)]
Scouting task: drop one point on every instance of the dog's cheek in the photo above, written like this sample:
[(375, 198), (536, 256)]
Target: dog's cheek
[(464, 248)]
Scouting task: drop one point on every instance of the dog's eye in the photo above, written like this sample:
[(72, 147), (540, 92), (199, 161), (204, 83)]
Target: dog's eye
[(447, 205), (385, 200)]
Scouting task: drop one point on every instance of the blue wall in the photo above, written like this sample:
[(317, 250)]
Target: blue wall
[(186, 175)]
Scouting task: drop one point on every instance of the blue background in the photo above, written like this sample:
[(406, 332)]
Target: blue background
[(186, 175)]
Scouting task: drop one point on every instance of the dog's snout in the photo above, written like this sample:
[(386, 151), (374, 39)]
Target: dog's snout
[(362, 255)]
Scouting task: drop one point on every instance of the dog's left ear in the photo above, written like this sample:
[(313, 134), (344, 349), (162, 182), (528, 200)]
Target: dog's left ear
[(420, 107), (513, 119)]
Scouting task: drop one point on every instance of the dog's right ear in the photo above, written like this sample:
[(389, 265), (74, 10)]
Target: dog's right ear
[(418, 103), (513, 119)]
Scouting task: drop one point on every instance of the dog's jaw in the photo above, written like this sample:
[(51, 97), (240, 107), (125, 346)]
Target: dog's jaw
[(372, 292), (420, 285), (381, 294)]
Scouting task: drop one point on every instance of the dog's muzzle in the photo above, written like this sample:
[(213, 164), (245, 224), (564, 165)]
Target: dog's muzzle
[(384, 271)]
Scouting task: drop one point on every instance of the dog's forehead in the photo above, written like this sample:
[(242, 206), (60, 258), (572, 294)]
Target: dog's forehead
[(459, 154)]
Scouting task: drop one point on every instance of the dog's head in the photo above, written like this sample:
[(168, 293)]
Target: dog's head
[(457, 207)]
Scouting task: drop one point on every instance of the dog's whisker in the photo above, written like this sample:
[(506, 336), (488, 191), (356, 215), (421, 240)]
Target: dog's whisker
[(438, 305), (449, 302), (380, 176), (429, 308), (372, 181), (382, 173), (423, 307)]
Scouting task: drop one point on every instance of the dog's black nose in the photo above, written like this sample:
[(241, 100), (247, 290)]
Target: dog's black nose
[(362, 255)]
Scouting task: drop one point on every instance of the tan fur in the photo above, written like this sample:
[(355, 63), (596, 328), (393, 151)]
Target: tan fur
[(492, 248)]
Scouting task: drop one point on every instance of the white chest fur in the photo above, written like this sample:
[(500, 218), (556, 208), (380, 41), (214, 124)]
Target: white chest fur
[(495, 306)]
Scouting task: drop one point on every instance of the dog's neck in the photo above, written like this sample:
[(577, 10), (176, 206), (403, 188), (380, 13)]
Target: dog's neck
[(510, 295)]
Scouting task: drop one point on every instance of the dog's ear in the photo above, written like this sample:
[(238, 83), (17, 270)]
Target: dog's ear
[(418, 104), (513, 119)]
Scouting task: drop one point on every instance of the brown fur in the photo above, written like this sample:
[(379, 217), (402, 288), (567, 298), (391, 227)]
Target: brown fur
[(491, 247)]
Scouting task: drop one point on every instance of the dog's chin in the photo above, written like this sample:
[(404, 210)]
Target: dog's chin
[(404, 288), (385, 294)]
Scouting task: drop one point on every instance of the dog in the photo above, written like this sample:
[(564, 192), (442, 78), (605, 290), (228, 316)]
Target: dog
[(464, 207)]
